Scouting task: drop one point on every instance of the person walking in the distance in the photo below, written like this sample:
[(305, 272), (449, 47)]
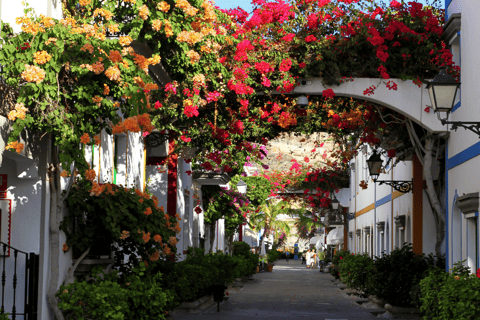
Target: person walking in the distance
[(309, 258), (287, 255), (321, 261)]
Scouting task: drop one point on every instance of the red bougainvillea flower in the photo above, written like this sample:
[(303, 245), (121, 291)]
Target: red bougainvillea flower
[(157, 105), (427, 109), (341, 258), (285, 65), (328, 93), (310, 38), (302, 65), (478, 273), (198, 209), (391, 153), (189, 172), (289, 37), (185, 139)]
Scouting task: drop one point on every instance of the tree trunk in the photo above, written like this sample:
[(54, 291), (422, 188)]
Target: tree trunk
[(56, 207), (212, 236), (438, 211)]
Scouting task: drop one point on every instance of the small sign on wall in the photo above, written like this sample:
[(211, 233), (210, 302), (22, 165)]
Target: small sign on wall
[(3, 186), (5, 224)]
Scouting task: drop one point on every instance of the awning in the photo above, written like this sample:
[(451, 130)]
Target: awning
[(335, 236)]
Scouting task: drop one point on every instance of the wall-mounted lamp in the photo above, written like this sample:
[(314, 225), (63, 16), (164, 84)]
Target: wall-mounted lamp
[(242, 186), (443, 91), (302, 101), (374, 167)]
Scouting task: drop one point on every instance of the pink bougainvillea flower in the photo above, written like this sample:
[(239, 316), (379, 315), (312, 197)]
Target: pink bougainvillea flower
[(157, 105)]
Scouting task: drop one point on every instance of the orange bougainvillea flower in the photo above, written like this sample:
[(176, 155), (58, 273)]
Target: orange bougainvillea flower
[(125, 40), (157, 238), (84, 3), (168, 28), (113, 73), (115, 56), (15, 145), (156, 25), (125, 234), (194, 56), (173, 241), (65, 247), (33, 74), (97, 140), (19, 112), (146, 236), (148, 211), (163, 6), (41, 57), (90, 174), (85, 138), (65, 174), (87, 47), (161, 209), (143, 12), (154, 256), (106, 89)]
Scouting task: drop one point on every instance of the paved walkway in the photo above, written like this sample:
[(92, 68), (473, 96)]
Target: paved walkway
[(291, 291)]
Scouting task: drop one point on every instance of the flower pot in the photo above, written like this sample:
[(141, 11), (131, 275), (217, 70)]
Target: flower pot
[(269, 267)]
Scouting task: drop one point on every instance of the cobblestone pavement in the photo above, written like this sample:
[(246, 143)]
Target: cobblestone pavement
[(291, 291)]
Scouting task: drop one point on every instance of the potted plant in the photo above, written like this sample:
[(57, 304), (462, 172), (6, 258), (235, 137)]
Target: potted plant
[(272, 256)]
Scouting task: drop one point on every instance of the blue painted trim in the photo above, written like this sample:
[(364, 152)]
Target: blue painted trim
[(447, 3), (463, 156), (384, 200), (446, 209), (455, 107)]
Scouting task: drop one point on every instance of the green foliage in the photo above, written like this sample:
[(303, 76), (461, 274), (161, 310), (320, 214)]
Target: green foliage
[(454, 295), (99, 299), (59, 95), (258, 188), (272, 255), (230, 204), (398, 273), (242, 249), (4, 316), (93, 220), (394, 277), (106, 297), (337, 259), (355, 271)]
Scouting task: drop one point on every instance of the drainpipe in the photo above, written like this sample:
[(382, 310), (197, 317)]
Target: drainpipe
[(374, 239)]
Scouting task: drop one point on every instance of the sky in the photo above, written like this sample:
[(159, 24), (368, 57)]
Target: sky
[(247, 6)]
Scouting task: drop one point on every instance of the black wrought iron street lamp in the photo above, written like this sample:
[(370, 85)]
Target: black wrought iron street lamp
[(443, 91), (374, 164), (335, 204)]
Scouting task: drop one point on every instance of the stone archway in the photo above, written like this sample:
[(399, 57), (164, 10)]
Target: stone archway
[(408, 100)]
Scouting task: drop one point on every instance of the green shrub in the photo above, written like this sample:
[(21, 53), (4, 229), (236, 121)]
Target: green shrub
[(242, 249), (141, 297), (4, 316), (398, 274), (272, 255), (454, 295), (337, 258), (356, 270), (100, 299)]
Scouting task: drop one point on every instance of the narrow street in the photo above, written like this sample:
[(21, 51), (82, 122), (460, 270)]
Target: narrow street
[(291, 291)]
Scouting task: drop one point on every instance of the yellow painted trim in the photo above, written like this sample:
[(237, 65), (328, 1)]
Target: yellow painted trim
[(365, 210), (397, 194)]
